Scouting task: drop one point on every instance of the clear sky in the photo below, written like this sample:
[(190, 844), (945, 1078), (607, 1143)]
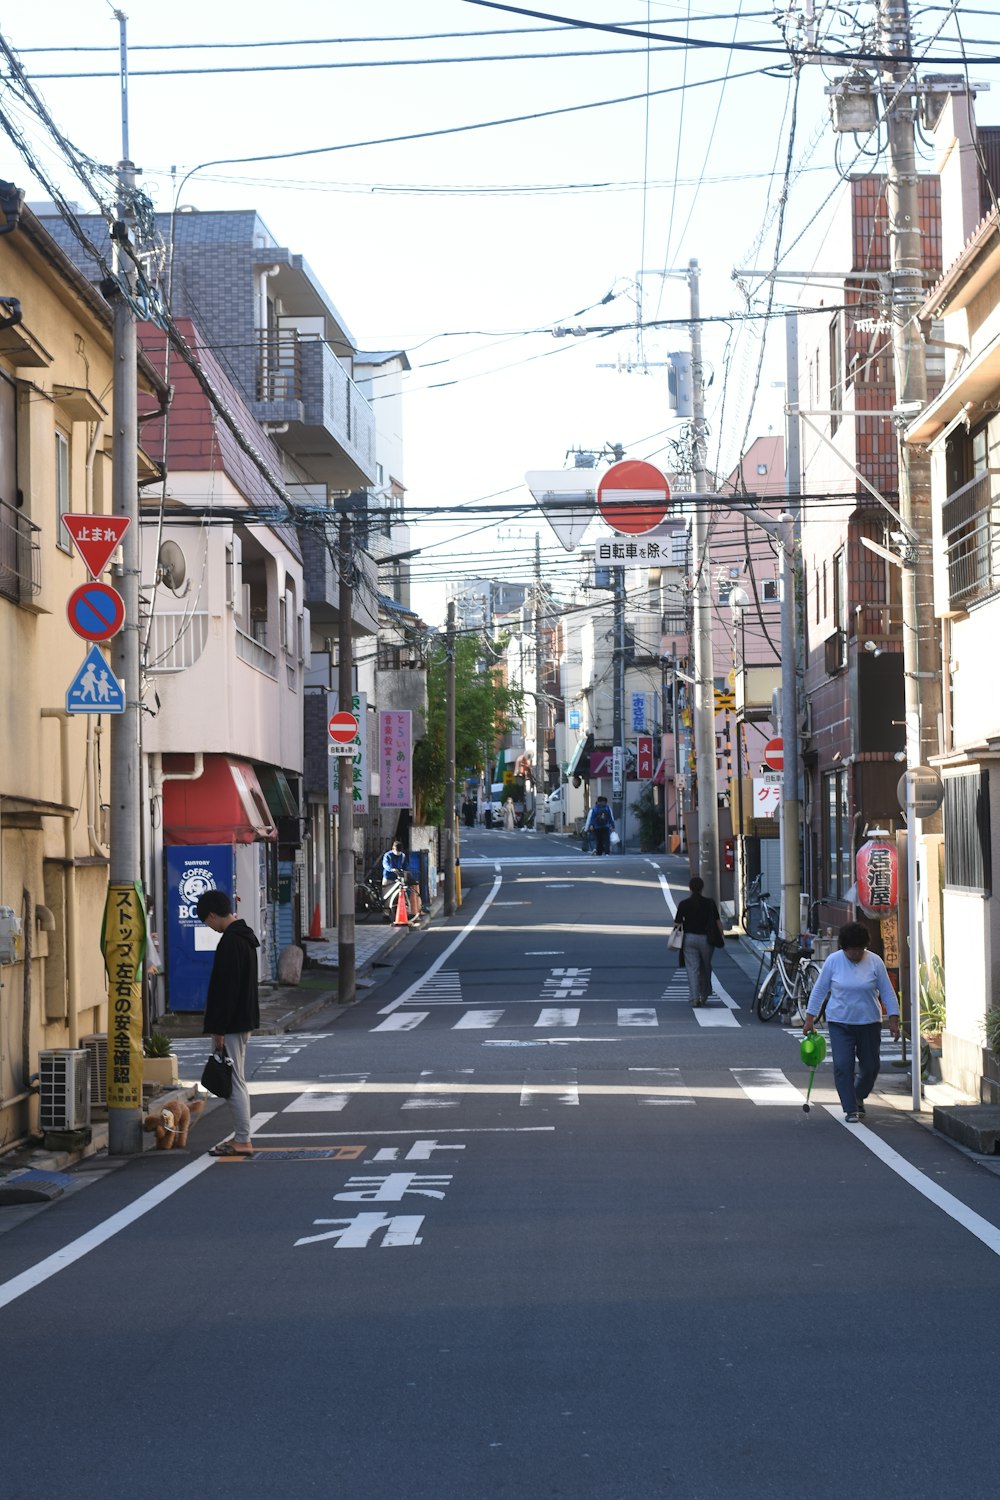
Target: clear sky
[(466, 248)]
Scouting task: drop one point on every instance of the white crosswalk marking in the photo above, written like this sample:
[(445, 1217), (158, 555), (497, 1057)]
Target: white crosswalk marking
[(477, 1020), (767, 1086), (550, 1088), (455, 1081), (637, 1016), (659, 1086), (323, 1101), (714, 1015), (559, 1015), (442, 988), (402, 1020)]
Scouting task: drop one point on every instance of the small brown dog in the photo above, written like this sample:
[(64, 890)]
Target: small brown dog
[(172, 1122)]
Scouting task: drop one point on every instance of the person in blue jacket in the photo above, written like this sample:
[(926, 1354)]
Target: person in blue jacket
[(395, 865), (600, 822), (853, 982)]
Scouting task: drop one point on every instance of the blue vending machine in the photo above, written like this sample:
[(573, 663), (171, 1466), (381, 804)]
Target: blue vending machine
[(192, 869)]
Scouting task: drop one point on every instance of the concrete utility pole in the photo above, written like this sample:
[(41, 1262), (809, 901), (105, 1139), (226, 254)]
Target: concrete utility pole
[(921, 655), (618, 704), (541, 712), (791, 806), (704, 667), (448, 828), (346, 936), (125, 866)]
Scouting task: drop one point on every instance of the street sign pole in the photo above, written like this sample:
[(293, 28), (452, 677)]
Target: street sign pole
[(125, 870)]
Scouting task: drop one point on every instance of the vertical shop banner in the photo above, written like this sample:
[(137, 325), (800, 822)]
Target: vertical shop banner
[(123, 943), (644, 757), (358, 760), (638, 712), (395, 757)]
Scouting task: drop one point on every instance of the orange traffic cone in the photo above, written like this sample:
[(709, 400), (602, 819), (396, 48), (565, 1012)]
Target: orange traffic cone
[(402, 915), (316, 925)]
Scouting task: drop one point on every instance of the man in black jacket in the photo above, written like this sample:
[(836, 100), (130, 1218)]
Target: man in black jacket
[(232, 1008)]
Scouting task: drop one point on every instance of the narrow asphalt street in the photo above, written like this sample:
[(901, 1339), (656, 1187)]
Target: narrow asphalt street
[(521, 1223)]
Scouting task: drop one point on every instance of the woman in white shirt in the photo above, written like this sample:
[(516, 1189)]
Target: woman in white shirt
[(854, 982)]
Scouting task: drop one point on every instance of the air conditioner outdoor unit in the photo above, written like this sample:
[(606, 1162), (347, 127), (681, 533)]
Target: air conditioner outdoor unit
[(96, 1045), (64, 1089)]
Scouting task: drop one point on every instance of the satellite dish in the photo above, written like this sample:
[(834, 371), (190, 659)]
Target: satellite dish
[(171, 566)]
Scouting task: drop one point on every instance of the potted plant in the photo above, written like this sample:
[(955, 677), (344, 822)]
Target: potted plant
[(159, 1065), (932, 1003), (992, 1028)]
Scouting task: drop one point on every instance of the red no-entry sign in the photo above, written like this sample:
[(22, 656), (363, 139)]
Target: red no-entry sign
[(343, 728), (633, 497), (774, 754)]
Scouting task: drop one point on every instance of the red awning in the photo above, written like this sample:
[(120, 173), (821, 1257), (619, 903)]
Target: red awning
[(224, 806)]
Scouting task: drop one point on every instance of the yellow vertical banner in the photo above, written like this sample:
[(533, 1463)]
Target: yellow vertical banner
[(123, 943)]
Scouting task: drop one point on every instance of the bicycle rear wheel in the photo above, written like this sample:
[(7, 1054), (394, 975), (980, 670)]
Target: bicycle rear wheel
[(768, 1001), (804, 983)]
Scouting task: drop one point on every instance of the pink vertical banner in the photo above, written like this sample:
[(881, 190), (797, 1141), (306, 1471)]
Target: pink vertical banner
[(395, 758)]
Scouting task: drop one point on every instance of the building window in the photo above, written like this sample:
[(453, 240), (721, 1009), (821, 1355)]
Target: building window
[(836, 836), (836, 375), (63, 538), (970, 521), (968, 856), (769, 590)]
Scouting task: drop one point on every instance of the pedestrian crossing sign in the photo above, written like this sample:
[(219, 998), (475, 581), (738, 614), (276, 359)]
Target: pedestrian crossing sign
[(95, 689)]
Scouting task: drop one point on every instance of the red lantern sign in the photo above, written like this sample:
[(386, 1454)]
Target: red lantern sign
[(877, 870)]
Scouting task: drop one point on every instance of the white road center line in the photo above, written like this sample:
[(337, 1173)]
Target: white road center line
[(987, 1233)]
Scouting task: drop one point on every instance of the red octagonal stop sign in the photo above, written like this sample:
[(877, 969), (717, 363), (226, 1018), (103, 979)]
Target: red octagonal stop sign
[(633, 497)]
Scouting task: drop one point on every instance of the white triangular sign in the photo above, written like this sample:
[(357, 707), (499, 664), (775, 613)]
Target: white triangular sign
[(567, 498)]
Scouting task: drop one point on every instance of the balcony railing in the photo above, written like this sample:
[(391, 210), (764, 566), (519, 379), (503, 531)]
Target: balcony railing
[(255, 655), (20, 555), (300, 380), (970, 521), (176, 640)]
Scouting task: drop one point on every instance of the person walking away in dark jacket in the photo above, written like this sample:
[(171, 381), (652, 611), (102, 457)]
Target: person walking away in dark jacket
[(232, 1007), (698, 915), (600, 822)]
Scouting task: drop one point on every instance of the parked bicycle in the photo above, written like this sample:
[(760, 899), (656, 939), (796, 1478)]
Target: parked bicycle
[(788, 983), (759, 917)]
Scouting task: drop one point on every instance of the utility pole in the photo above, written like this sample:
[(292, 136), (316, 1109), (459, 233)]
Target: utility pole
[(704, 667), (618, 704), (791, 806), (125, 904), (921, 656), (541, 713), (448, 829), (346, 936)]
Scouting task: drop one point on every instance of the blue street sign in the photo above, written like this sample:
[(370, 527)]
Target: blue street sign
[(94, 689), (574, 718)]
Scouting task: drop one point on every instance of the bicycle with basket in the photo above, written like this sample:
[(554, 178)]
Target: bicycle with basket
[(788, 971)]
